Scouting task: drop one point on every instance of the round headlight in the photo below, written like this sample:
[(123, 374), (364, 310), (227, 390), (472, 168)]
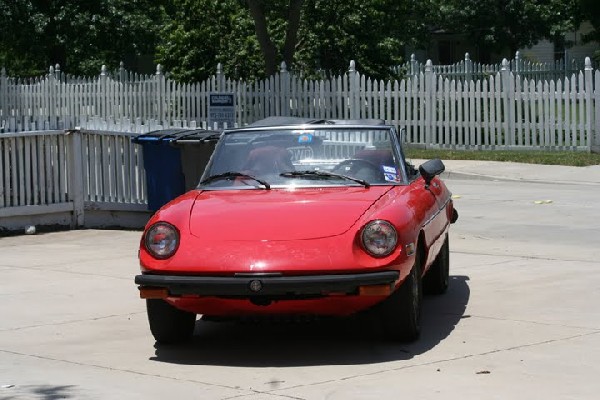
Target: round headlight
[(379, 238), (162, 240)]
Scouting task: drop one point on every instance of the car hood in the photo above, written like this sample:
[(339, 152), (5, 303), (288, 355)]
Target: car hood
[(267, 215)]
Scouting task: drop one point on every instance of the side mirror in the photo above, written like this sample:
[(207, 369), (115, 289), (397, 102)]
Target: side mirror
[(430, 169)]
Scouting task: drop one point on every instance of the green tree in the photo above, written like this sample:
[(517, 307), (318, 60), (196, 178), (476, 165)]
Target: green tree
[(201, 33), (248, 37), (251, 38), (374, 33), (80, 36)]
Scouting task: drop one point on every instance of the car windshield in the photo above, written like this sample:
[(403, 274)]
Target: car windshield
[(288, 157)]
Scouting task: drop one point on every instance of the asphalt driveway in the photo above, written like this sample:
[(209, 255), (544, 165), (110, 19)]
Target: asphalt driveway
[(521, 319)]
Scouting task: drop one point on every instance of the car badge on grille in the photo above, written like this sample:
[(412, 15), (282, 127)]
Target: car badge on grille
[(256, 285)]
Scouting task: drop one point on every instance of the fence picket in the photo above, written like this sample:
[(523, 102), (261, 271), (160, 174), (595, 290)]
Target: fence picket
[(446, 117), (20, 172), (580, 102), (530, 107), (62, 169), (3, 174), (402, 94), (553, 115), (546, 105), (588, 104), (472, 98), (597, 110)]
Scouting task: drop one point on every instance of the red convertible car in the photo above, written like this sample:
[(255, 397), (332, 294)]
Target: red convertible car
[(300, 217)]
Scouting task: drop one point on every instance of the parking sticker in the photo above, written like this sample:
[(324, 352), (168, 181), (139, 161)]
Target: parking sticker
[(390, 173)]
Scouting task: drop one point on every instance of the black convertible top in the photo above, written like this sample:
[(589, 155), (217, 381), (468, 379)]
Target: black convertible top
[(283, 121)]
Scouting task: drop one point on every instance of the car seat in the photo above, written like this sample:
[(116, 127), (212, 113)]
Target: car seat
[(269, 160)]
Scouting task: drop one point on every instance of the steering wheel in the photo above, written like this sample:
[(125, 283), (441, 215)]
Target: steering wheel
[(361, 169)]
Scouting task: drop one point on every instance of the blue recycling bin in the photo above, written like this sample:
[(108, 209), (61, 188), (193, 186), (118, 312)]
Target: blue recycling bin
[(167, 163)]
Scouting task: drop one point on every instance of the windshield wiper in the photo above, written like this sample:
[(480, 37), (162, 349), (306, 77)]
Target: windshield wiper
[(231, 174), (324, 174)]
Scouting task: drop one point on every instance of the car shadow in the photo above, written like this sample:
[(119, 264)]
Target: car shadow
[(347, 341)]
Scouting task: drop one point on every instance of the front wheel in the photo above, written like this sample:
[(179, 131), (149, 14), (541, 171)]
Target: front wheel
[(436, 279), (168, 324), (400, 314)]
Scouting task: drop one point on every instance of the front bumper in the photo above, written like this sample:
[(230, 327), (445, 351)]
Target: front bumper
[(265, 285)]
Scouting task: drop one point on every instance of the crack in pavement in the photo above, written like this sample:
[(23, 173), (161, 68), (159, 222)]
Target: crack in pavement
[(467, 356), (525, 321), (69, 322), (286, 396), (111, 258), (39, 269), (522, 257), (82, 364)]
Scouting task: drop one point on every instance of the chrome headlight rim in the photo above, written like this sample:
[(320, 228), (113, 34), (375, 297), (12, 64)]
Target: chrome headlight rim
[(379, 226), (171, 248)]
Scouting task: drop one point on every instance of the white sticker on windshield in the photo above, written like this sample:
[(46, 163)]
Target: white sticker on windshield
[(390, 173)]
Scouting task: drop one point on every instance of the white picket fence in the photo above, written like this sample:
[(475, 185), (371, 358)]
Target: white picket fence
[(504, 110), (70, 171), (467, 70)]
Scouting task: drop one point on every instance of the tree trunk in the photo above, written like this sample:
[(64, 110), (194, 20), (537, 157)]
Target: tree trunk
[(291, 34), (266, 45)]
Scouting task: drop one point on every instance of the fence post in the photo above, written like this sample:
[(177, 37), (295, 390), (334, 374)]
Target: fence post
[(468, 68), (160, 90), (76, 171), (103, 95), (3, 97), (51, 99), (428, 100), (589, 105), (284, 86), (62, 121), (596, 144), (413, 65), (508, 95), (220, 78), (517, 66), (122, 72), (353, 91)]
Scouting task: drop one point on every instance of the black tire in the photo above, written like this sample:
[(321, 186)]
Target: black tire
[(168, 324), (400, 314), (437, 278)]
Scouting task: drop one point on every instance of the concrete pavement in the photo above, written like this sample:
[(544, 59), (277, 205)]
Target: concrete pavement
[(520, 320), (520, 171)]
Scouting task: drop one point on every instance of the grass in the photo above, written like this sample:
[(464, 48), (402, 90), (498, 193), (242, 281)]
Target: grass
[(570, 158)]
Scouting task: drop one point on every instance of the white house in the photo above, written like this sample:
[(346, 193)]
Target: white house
[(449, 48), (575, 49)]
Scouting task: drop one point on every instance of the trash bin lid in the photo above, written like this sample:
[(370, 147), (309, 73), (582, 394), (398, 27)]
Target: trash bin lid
[(196, 136), (172, 136)]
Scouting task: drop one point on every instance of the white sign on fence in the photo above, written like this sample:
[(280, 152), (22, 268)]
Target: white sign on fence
[(221, 110)]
